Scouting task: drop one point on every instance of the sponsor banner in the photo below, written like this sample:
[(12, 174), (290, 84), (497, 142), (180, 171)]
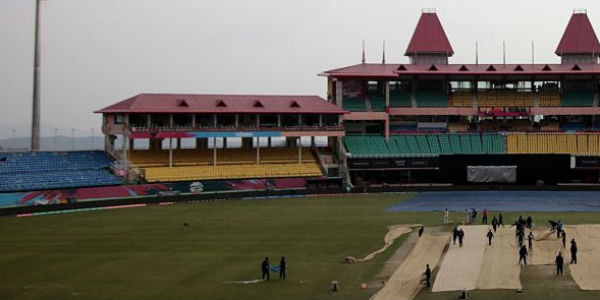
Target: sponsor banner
[(58, 196), (587, 162), (393, 163)]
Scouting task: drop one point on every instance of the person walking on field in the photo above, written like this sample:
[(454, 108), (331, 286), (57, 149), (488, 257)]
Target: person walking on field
[(265, 268), (564, 239), (428, 276), (494, 223), (454, 235), (530, 238), (520, 236), (421, 230), (484, 216), (467, 217), (559, 264), (529, 222), (573, 252), (490, 236), (446, 216), (559, 227), (282, 268), (523, 255), (461, 236), (500, 220)]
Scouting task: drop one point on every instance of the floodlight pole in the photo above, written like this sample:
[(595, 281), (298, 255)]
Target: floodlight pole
[(35, 116)]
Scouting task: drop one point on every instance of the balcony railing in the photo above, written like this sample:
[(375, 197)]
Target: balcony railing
[(233, 128)]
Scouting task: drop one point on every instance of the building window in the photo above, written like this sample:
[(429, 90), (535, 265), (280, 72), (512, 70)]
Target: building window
[(247, 120), (205, 120), (138, 120), (331, 120), (289, 120), (119, 119), (268, 120)]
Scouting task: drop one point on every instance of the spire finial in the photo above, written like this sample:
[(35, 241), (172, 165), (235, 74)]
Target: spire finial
[(363, 52), (503, 52), (476, 53), (383, 57)]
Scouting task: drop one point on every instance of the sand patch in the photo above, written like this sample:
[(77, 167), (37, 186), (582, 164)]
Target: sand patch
[(500, 269), (406, 281), (461, 265)]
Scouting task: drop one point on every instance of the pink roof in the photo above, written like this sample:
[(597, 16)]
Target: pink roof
[(429, 37), (185, 103), (394, 70), (579, 37)]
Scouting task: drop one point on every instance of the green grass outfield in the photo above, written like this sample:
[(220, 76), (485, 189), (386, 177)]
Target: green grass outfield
[(147, 253)]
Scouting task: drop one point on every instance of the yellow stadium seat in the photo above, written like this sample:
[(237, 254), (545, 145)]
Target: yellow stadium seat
[(554, 143), (154, 174)]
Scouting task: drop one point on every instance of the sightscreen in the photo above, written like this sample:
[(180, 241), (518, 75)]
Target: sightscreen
[(498, 174)]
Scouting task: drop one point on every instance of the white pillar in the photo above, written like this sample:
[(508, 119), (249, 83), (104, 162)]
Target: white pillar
[(125, 149), (214, 151), (279, 120), (149, 124), (257, 150), (299, 150), (320, 120), (193, 120), (170, 152), (237, 120)]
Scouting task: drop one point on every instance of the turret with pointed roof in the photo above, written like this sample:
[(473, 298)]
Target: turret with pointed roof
[(429, 43), (579, 43)]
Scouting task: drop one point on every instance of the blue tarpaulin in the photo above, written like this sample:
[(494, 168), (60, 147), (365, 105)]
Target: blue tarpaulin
[(581, 201)]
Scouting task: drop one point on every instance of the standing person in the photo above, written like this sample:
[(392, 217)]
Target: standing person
[(265, 268), (523, 255), (474, 215), (454, 235), (484, 218), (500, 220), (446, 216), (461, 236), (573, 252), (521, 235), (529, 222), (282, 268), (467, 217), (490, 236), (530, 238), (521, 221), (564, 239), (559, 264), (421, 230), (558, 229), (494, 223), (428, 276)]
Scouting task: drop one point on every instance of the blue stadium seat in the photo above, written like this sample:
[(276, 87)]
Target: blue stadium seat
[(21, 171)]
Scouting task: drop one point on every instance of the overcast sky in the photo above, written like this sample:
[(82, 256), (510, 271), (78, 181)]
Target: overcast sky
[(98, 52)]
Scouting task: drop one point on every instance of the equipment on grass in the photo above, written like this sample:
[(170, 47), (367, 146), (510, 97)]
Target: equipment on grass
[(275, 268), (245, 281), (334, 286)]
